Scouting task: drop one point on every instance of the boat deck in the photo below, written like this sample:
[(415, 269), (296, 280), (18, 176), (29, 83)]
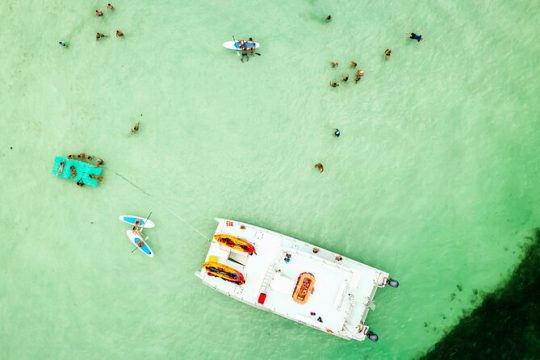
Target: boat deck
[(343, 289)]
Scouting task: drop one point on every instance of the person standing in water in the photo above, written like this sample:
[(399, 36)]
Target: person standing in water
[(337, 133), (119, 33), (110, 7), (320, 167), (328, 18), (252, 45), (387, 53), (358, 76), (135, 127), (416, 37)]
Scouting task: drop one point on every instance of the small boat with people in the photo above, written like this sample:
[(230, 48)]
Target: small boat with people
[(292, 278)]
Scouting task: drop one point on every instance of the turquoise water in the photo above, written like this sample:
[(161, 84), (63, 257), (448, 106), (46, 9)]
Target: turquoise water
[(434, 178)]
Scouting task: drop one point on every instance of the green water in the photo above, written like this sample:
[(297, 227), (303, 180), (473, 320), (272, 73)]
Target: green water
[(434, 179)]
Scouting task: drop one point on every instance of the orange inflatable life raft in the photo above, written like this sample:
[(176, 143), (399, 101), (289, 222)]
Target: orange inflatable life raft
[(304, 287), (224, 272), (235, 243)]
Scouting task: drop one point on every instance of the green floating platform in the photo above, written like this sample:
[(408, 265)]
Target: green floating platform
[(83, 170)]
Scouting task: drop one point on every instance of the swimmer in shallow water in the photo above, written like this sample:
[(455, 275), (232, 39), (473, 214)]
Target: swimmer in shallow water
[(387, 53), (135, 127), (328, 18), (64, 44), (334, 84), (416, 37), (358, 76), (319, 167), (334, 64), (100, 35), (110, 7), (119, 33), (99, 13)]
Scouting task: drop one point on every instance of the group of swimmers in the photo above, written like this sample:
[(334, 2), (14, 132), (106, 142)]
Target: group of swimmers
[(357, 76), (119, 33)]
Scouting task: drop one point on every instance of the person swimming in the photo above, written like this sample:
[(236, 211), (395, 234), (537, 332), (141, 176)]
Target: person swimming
[(119, 33), (337, 133), (416, 37), (110, 7), (328, 18), (100, 35), (353, 64), (99, 13), (358, 76), (320, 167), (334, 84), (334, 64), (64, 44), (345, 78), (135, 127), (387, 53)]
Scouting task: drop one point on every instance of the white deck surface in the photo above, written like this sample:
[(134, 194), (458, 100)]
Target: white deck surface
[(342, 292)]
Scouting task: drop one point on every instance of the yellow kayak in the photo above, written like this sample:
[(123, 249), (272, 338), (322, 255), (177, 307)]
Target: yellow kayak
[(235, 243), (223, 271)]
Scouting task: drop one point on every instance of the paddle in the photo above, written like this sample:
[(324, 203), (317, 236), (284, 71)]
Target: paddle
[(234, 39)]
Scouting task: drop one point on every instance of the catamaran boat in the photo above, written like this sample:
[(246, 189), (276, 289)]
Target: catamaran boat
[(293, 279)]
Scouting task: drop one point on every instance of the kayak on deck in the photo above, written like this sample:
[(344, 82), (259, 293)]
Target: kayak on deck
[(136, 239), (143, 222)]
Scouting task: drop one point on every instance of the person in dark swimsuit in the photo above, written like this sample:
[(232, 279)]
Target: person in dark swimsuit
[(416, 37)]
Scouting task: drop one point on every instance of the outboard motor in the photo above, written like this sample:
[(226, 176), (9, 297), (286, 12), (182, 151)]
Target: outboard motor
[(372, 336), (391, 282)]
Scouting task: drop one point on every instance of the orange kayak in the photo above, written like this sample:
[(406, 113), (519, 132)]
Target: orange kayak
[(304, 287), (235, 243), (224, 272)]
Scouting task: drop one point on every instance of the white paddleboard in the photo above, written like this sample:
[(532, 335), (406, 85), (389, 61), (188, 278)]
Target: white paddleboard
[(130, 219), (235, 45), (136, 239)]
